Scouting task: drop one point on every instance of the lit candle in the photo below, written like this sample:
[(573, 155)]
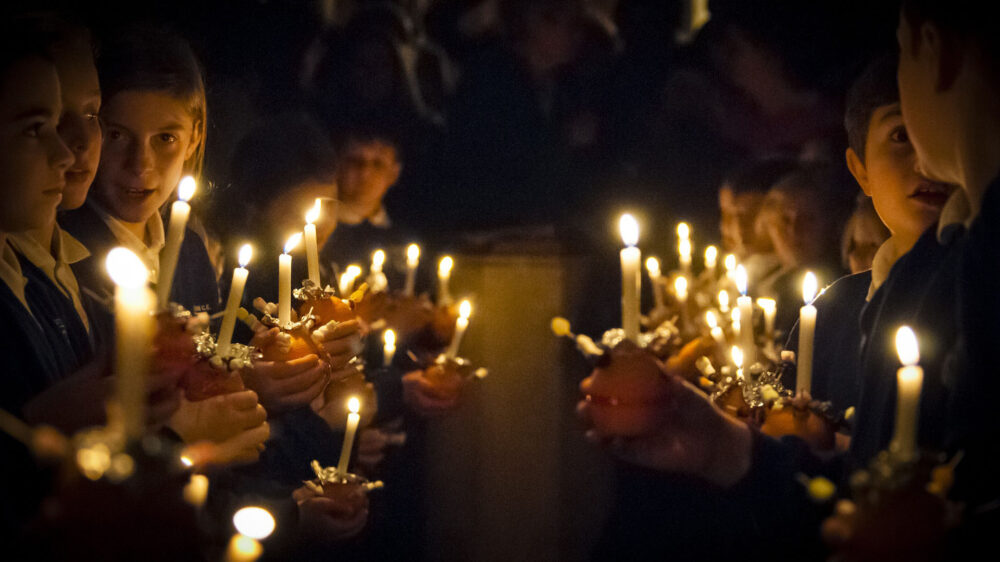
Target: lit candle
[(683, 231), (770, 308), (180, 211), (716, 331), (807, 329), (681, 290), (348, 278), (464, 311), (412, 261), (711, 259), (737, 355), (285, 280), (655, 276), (134, 329), (312, 249), (723, 301), (444, 274), (389, 337), (252, 525), (233, 302), (745, 304), (684, 249), (631, 280), (734, 316), (353, 419), (910, 378), (730, 264), (196, 490), (376, 278)]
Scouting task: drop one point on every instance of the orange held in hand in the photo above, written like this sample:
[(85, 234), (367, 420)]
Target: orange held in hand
[(341, 390), (286, 347), (328, 308), (203, 380), (627, 394)]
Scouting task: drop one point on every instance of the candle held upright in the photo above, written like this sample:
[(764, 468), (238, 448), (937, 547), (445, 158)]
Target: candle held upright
[(180, 211), (412, 261), (910, 379), (240, 275), (631, 259), (285, 280), (312, 248), (807, 330)]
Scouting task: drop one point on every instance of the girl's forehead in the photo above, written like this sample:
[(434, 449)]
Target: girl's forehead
[(147, 109)]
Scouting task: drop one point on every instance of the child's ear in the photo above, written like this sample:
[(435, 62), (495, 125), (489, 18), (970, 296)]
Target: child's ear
[(858, 170)]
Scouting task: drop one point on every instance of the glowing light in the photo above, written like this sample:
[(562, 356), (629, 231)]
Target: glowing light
[(681, 287), (683, 231), (809, 287), (254, 522), (737, 357), (378, 258), (389, 337), (768, 305), (906, 346), (186, 189), (292, 242), (246, 252), (445, 265), (653, 267), (741, 279), (126, 269), (465, 309), (412, 255), (313, 214), (711, 256), (186, 461), (629, 229), (353, 405), (730, 262), (711, 321), (723, 301)]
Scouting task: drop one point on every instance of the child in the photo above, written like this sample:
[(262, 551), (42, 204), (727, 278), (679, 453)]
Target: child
[(863, 235)]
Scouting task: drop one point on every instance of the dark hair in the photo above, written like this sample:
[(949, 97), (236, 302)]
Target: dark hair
[(147, 58), (760, 175), (19, 40), (968, 18), (364, 132), (874, 88), (278, 154)]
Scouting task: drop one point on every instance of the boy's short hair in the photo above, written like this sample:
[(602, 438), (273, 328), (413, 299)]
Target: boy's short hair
[(364, 133), (874, 88)]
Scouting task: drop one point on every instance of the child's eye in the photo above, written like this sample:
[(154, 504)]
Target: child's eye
[(113, 134), (899, 134), (35, 129), (92, 116), (167, 138)]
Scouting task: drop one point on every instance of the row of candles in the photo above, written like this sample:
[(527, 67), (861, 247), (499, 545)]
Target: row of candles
[(909, 376)]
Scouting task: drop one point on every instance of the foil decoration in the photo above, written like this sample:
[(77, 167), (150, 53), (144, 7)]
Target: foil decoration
[(330, 475), (312, 291), (240, 356)]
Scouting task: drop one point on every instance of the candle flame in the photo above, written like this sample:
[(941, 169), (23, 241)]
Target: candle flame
[(378, 258), (246, 252), (292, 242), (653, 267), (711, 256), (629, 229), (412, 255), (681, 286), (906, 346), (353, 271), (735, 315), (723, 300), (354, 405), (465, 309), (186, 461), (445, 265), (737, 357), (741, 279), (683, 230), (730, 262), (254, 522), (313, 214), (809, 287), (711, 320), (247, 547), (767, 304), (186, 189), (126, 269), (390, 338), (684, 249)]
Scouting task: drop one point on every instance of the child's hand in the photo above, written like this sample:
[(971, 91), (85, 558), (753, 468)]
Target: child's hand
[(217, 418), (341, 340), (324, 519), (243, 448), (423, 398), (283, 385)]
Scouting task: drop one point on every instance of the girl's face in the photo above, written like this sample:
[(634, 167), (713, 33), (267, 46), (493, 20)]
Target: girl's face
[(33, 159), (78, 125), (148, 136)]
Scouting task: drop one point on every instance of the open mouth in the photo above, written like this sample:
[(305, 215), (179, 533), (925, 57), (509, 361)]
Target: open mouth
[(77, 176), (932, 194), (138, 194)]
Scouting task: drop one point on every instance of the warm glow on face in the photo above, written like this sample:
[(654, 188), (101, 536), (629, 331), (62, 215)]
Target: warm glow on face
[(730, 262), (683, 231), (711, 321), (126, 269), (629, 229), (313, 214), (809, 287), (723, 300), (741, 279), (378, 258), (653, 267), (737, 357), (444, 266), (254, 522), (353, 405), (906, 346), (465, 309), (768, 305), (246, 252), (681, 286), (390, 338), (186, 189), (292, 242), (711, 256)]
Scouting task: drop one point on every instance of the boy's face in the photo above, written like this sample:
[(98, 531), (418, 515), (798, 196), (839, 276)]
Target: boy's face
[(738, 213), (147, 138), (79, 126), (33, 159), (366, 173), (906, 202), (926, 117)]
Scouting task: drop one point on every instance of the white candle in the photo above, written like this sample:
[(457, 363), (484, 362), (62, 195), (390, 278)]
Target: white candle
[(716, 331), (179, 213), (724, 301), (770, 308), (910, 378), (655, 276), (730, 264), (631, 280), (196, 490), (745, 304), (134, 328), (233, 302), (389, 350), (348, 278), (252, 524), (684, 249), (312, 248), (412, 261), (444, 275), (807, 329), (711, 259), (683, 231), (285, 280), (353, 419), (464, 311), (737, 356), (681, 290), (735, 323), (376, 279)]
